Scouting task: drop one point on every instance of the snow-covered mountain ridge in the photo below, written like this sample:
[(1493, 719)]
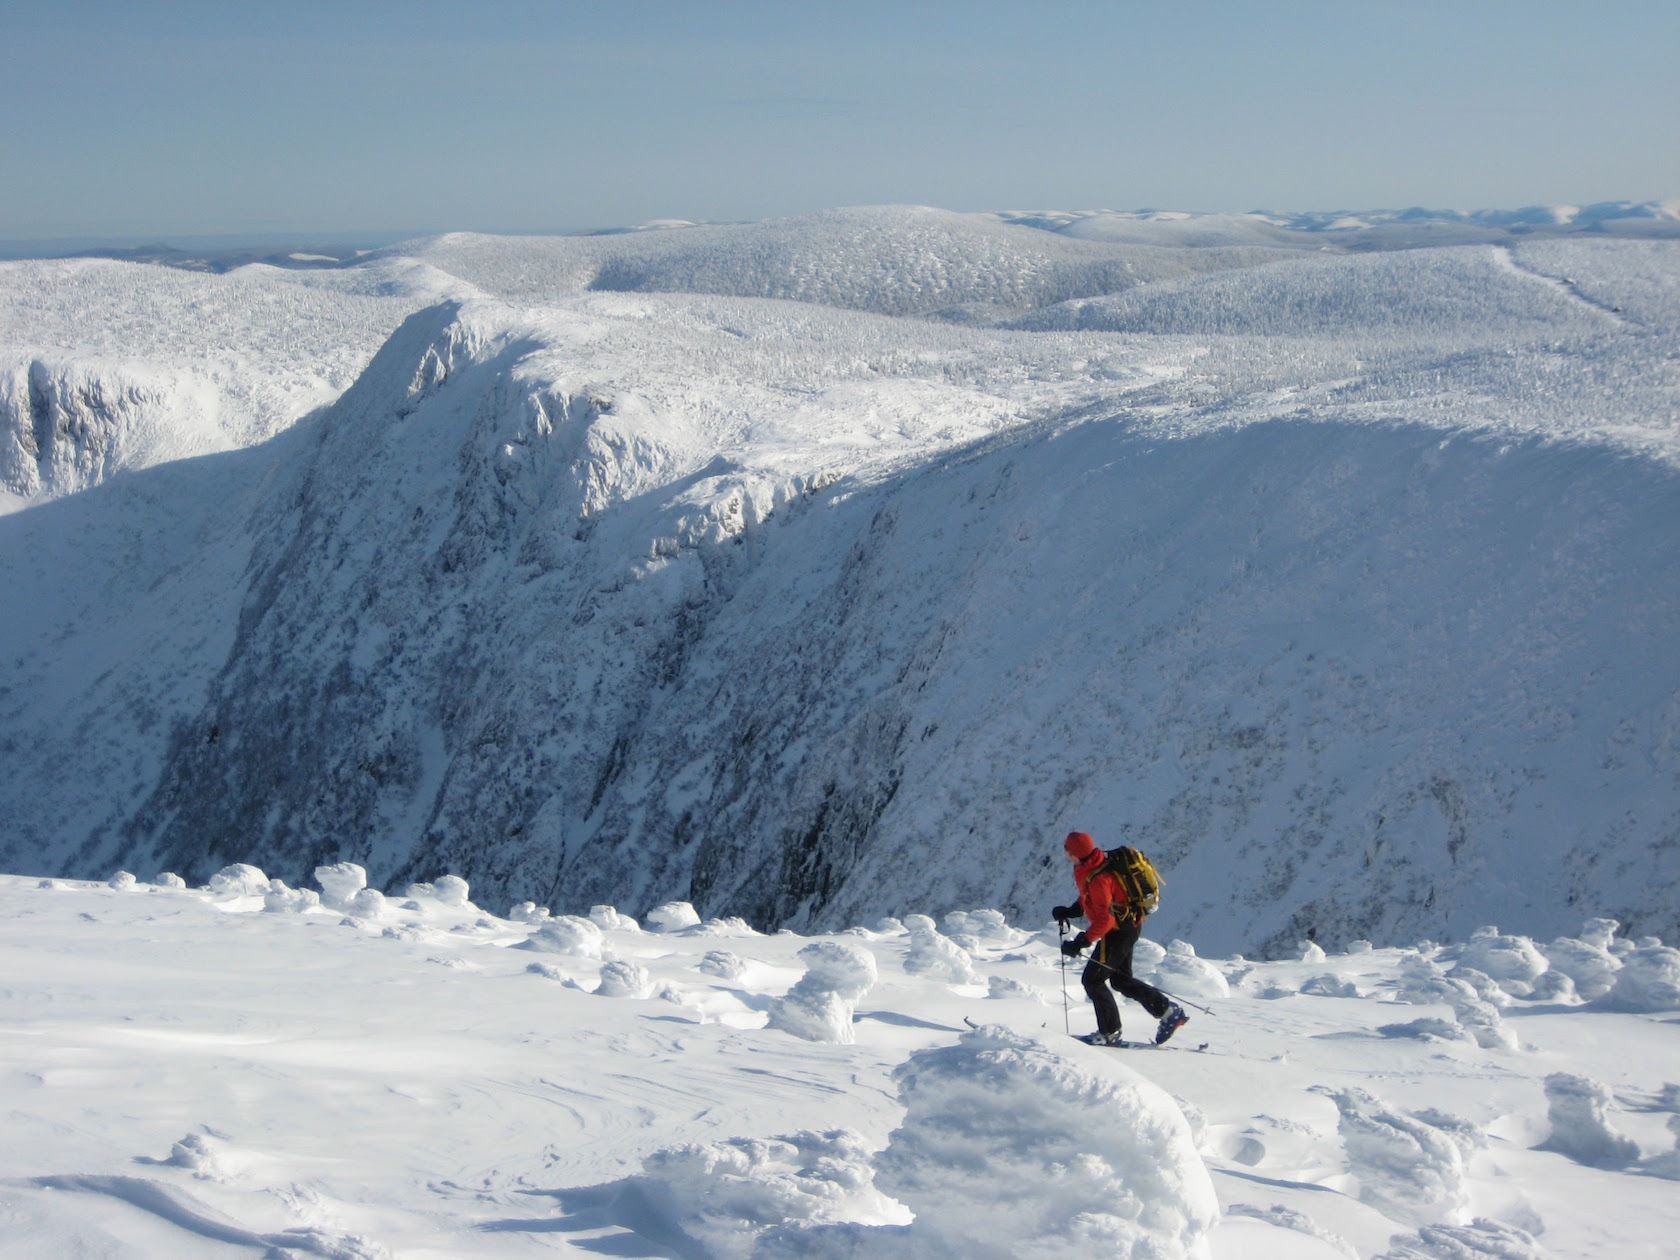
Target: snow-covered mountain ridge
[(1345, 585)]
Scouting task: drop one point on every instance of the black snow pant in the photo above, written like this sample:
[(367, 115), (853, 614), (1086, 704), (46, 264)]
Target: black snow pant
[(1111, 965)]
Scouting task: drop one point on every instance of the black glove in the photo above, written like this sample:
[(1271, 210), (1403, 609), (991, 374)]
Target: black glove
[(1075, 947), (1064, 915)]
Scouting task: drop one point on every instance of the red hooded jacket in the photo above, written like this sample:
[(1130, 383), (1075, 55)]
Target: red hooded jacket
[(1099, 897)]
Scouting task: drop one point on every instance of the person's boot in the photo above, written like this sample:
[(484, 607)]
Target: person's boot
[(1171, 1022), (1104, 1039)]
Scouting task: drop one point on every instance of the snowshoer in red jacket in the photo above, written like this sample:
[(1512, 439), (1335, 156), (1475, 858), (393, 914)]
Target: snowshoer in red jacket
[(1114, 926)]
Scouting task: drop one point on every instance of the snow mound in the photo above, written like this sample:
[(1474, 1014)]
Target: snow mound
[(997, 1155), (280, 899), (936, 957), (626, 979), (238, 880), (1586, 959), (820, 1006), (527, 912), (1407, 1167), (1009, 987), (1147, 954), (1667, 1164), (1482, 1239), (723, 964), (1282, 1217), (725, 1196), (1330, 985), (1180, 971), (1579, 1110), (986, 926), (1423, 983), (446, 890), (1312, 952), (368, 903), (673, 916), (1648, 981), (1512, 962), (122, 881), (565, 934), (168, 879), (1426, 1029), (609, 919), (340, 882)]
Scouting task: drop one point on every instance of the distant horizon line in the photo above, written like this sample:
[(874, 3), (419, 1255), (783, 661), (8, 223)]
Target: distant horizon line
[(30, 247)]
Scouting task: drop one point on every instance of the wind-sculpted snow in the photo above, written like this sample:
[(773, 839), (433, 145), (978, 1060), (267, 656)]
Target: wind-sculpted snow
[(186, 1072)]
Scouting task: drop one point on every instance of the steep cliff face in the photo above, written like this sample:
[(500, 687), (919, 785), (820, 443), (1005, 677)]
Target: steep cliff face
[(1343, 679), (810, 615)]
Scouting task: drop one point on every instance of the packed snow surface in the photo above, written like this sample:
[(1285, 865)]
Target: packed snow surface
[(231, 1069), (834, 567)]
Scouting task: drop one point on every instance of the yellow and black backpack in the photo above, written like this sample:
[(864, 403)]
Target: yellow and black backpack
[(1138, 877)]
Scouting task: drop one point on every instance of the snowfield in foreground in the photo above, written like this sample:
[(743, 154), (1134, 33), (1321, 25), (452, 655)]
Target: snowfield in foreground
[(254, 1068)]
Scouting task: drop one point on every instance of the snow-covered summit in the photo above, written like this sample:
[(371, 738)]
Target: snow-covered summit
[(1345, 586)]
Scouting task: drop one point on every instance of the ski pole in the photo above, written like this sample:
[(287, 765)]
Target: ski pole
[(1186, 1002), (1067, 1023)]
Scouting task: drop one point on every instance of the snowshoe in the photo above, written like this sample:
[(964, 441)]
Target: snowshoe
[(1171, 1022)]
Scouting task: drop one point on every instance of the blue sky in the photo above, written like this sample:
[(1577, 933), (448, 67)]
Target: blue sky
[(246, 119)]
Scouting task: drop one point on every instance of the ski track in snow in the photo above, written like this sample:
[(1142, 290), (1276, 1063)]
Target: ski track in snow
[(1566, 287), (185, 1073)]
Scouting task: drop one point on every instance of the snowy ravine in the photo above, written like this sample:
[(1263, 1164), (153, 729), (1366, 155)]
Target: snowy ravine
[(1346, 583), (251, 1068)]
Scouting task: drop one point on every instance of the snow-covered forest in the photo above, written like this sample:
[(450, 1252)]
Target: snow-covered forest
[(793, 587)]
